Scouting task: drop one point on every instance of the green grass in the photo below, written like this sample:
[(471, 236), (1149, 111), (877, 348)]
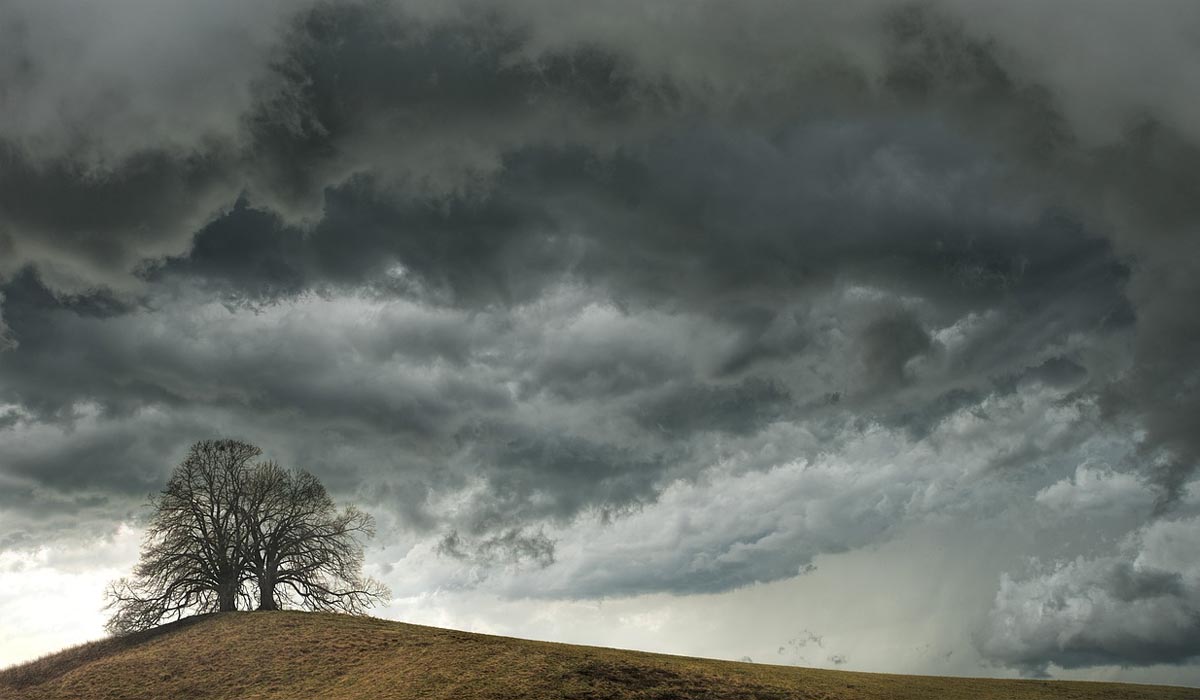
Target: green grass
[(334, 657)]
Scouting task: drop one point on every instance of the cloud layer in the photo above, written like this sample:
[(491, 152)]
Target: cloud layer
[(624, 300)]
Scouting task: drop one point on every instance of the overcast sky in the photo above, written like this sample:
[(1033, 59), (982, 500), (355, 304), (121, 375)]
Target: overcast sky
[(857, 334)]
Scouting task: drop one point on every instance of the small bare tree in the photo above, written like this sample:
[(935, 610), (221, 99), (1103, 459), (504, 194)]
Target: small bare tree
[(300, 548), (193, 558), (223, 524)]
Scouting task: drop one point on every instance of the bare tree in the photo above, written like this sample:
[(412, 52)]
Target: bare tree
[(301, 549), (193, 557), (223, 525)]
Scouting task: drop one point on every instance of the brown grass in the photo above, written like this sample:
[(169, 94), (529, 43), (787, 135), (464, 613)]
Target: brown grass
[(335, 657)]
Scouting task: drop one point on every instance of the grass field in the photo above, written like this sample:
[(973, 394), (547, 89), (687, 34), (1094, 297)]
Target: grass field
[(331, 657)]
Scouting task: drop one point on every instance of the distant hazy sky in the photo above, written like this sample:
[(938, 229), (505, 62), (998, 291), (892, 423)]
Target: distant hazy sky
[(860, 334)]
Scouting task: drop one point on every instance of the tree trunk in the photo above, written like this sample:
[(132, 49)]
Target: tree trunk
[(227, 597), (266, 594)]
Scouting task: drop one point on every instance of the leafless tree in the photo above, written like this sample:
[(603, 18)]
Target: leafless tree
[(193, 557), (300, 548), (223, 526)]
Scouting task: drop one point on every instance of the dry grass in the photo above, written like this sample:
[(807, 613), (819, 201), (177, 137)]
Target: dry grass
[(333, 657)]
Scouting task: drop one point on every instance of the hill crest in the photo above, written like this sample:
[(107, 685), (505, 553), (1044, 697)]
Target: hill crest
[(294, 654)]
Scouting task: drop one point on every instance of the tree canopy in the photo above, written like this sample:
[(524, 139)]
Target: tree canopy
[(228, 531)]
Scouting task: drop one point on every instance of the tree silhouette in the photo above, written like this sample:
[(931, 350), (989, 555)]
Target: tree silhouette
[(224, 524), (193, 557), (300, 548)]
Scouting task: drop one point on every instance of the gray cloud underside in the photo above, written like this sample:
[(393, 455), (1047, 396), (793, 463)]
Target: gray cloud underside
[(499, 270)]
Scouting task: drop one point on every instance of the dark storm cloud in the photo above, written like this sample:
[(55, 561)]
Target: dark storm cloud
[(85, 472), (7, 342), (350, 87), (88, 211), (353, 87), (535, 473), (116, 463), (88, 226), (738, 408), (463, 248), (351, 83), (84, 349), (888, 343), (1057, 371), (351, 77), (471, 250), (510, 547), (722, 221), (251, 252), (762, 220)]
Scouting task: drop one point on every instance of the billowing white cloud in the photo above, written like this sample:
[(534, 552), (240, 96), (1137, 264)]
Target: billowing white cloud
[(1138, 606), (761, 514), (1097, 488)]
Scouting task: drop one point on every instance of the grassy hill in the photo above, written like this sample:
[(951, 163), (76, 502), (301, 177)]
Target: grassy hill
[(306, 655)]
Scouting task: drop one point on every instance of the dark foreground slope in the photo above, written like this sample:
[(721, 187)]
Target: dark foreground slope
[(305, 655)]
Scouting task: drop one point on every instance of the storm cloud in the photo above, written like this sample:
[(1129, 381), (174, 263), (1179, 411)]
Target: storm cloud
[(624, 300)]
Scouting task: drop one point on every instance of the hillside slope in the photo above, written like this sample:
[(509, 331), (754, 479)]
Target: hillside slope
[(307, 655)]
